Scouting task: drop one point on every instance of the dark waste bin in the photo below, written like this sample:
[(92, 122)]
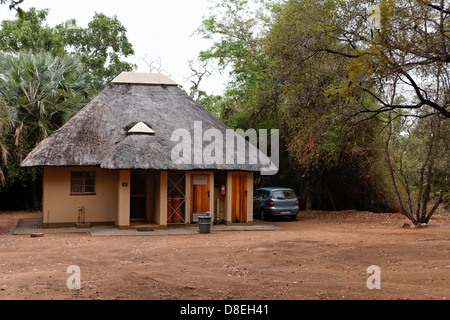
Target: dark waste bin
[(204, 224)]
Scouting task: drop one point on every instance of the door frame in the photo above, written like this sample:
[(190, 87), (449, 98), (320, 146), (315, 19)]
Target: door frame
[(144, 196), (190, 184), (243, 196)]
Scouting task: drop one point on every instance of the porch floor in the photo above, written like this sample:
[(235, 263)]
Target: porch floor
[(34, 225), (143, 226)]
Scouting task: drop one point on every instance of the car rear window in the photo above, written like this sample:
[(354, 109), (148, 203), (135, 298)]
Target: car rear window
[(289, 194), (283, 194)]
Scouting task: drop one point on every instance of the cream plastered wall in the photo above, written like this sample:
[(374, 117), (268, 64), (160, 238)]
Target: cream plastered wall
[(123, 203), (60, 207), (250, 180), (161, 203)]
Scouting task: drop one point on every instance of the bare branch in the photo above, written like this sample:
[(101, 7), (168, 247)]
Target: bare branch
[(154, 65), (198, 73), (435, 6)]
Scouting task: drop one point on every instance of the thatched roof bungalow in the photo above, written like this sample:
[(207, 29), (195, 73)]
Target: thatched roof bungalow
[(126, 159)]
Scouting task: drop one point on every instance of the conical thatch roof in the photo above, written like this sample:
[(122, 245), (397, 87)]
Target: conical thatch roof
[(99, 134)]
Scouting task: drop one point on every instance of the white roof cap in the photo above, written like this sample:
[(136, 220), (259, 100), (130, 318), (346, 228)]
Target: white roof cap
[(141, 128), (144, 78)]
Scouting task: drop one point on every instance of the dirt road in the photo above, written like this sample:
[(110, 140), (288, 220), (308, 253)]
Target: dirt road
[(322, 255)]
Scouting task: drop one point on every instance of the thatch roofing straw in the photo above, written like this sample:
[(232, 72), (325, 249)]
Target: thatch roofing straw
[(97, 135)]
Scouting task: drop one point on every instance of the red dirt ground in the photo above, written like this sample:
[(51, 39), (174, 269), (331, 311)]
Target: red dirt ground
[(322, 255)]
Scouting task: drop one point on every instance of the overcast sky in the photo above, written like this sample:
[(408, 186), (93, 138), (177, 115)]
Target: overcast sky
[(157, 29)]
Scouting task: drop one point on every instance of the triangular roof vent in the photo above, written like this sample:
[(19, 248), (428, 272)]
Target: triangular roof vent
[(141, 128)]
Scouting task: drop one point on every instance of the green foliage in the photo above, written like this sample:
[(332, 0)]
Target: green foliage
[(214, 104), (42, 86), (278, 83), (38, 94), (408, 44), (47, 74), (30, 33), (14, 5), (419, 153), (237, 32), (101, 46), (333, 83)]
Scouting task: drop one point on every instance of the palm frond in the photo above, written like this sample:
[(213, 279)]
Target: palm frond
[(2, 177), (20, 134), (5, 154)]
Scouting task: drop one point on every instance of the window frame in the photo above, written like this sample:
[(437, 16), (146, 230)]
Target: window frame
[(84, 177)]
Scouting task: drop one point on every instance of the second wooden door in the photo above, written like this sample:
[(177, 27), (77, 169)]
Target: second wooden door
[(239, 198)]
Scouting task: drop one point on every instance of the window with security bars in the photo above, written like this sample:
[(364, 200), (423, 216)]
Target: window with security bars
[(82, 182)]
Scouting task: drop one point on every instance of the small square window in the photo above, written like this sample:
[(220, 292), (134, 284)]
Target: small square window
[(82, 182)]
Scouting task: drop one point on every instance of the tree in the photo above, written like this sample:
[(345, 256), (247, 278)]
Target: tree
[(38, 94), (47, 74), (237, 28), (30, 34), (4, 128), (402, 64), (335, 163), (382, 75), (214, 104), (154, 65), (198, 73), (417, 154), (14, 5), (407, 44), (277, 83), (101, 46)]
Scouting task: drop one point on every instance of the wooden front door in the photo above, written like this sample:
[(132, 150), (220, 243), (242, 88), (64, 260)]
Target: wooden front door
[(138, 201), (199, 194), (239, 198)]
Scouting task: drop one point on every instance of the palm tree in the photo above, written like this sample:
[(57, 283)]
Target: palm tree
[(39, 93), (4, 126)]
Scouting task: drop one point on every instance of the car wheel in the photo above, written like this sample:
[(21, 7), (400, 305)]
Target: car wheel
[(262, 215), (292, 218)]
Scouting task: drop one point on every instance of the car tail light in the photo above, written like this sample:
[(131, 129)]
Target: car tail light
[(296, 202), (271, 203)]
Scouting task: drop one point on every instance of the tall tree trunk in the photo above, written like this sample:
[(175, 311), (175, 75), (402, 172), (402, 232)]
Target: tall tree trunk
[(426, 194), (33, 195), (391, 169), (308, 201), (308, 194), (405, 181), (419, 197), (388, 157), (441, 198)]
